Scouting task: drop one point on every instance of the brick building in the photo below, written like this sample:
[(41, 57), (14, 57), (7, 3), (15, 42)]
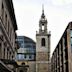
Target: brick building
[(61, 60)]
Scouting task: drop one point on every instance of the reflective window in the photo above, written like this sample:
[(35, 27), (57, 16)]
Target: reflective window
[(21, 45), (25, 56), (70, 33), (20, 56), (30, 56), (71, 38), (29, 48), (28, 45)]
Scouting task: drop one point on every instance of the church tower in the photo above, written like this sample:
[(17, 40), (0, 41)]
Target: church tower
[(43, 46)]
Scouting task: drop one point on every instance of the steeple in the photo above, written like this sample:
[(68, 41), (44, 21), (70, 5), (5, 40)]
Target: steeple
[(42, 45), (43, 22)]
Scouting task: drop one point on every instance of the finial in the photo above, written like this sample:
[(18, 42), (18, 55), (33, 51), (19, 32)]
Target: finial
[(42, 16), (42, 8)]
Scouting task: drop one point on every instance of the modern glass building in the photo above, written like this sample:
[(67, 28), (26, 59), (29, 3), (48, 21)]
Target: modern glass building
[(27, 50)]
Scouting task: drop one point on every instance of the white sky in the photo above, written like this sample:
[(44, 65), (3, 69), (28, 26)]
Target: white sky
[(28, 13)]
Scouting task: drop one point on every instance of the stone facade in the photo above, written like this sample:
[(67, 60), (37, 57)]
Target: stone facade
[(61, 57), (29, 65), (42, 67), (41, 56), (32, 66), (42, 46), (8, 27)]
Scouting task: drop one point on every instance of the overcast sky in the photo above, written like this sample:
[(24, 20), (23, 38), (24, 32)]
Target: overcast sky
[(28, 13)]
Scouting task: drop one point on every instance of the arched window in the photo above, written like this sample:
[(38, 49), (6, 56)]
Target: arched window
[(43, 42)]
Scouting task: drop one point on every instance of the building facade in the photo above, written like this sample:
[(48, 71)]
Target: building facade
[(26, 53), (43, 46), (61, 60), (8, 26)]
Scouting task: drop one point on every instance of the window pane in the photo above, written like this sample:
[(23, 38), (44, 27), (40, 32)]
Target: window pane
[(71, 33)]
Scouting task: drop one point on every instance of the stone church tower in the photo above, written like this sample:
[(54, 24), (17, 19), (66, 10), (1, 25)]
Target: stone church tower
[(42, 46)]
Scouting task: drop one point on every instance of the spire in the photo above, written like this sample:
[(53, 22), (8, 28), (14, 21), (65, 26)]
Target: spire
[(42, 9), (42, 16)]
